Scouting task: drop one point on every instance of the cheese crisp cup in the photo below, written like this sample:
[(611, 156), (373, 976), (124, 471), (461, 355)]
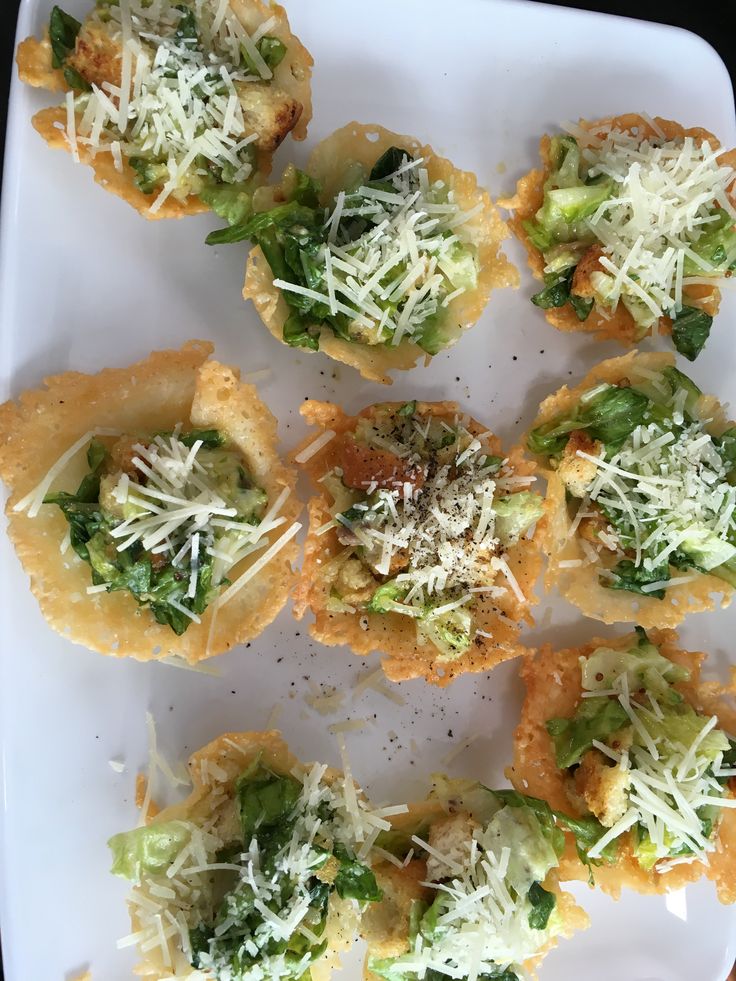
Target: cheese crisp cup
[(260, 873), (470, 886), (378, 254), (641, 490), (630, 224), (177, 107), (149, 506), (423, 538), (625, 732)]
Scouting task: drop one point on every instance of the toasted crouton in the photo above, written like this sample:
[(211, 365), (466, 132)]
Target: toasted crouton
[(575, 471), (450, 837), (589, 263), (268, 111), (97, 56), (603, 787)]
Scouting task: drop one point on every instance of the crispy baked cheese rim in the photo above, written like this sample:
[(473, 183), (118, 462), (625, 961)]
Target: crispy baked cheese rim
[(553, 690), (393, 634), (292, 75), (580, 585), (167, 388), (385, 925), (213, 796), (328, 164), (529, 197)]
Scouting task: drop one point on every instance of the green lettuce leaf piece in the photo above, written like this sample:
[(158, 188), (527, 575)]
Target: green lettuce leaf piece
[(63, 31), (543, 903), (354, 880), (690, 331), (231, 202), (610, 416), (450, 632), (266, 802), (642, 664), (516, 513), (387, 594), (596, 718), (717, 245), (389, 162), (149, 850), (564, 154), (632, 578)]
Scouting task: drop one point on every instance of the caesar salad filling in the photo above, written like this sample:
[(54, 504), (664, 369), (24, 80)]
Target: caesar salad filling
[(638, 222), (643, 760), (164, 519), (379, 265), (244, 894), (426, 514), (651, 491), (492, 906), (181, 91)]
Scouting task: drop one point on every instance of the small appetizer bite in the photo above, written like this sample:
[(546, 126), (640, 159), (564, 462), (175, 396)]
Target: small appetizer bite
[(641, 487), (630, 224), (379, 253), (422, 539), (260, 873), (178, 107), (149, 506), (474, 892), (625, 731)]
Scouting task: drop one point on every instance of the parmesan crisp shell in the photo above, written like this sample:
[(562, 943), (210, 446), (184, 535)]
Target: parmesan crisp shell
[(385, 925), (619, 325), (394, 634), (329, 163), (292, 75), (213, 800), (553, 690), (580, 585), (167, 388)]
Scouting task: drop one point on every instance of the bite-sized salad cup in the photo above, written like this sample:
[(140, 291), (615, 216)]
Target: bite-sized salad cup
[(626, 732), (630, 224), (423, 538), (378, 254), (641, 487), (177, 107), (473, 887), (261, 872), (149, 506)]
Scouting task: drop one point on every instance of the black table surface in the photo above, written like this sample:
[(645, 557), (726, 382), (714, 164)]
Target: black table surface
[(715, 22)]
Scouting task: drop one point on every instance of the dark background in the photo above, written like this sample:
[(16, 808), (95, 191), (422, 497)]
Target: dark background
[(714, 21)]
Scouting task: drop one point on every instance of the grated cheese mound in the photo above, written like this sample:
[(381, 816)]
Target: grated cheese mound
[(664, 199), (668, 783), (177, 102), (483, 924), (443, 536), (667, 489), (170, 905), (181, 512), (403, 269)]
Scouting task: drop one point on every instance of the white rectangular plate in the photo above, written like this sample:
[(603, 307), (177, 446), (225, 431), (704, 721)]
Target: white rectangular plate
[(87, 283)]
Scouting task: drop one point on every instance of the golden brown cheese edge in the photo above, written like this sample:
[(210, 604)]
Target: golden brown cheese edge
[(167, 388), (364, 144), (292, 75), (553, 689), (528, 199), (392, 634), (580, 585)]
